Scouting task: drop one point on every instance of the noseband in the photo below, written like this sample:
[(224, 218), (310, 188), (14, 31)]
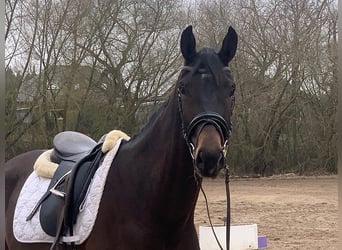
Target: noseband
[(210, 118)]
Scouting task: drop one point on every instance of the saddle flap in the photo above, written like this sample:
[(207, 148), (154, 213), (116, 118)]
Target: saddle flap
[(52, 205), (80, 180), (67, 191)]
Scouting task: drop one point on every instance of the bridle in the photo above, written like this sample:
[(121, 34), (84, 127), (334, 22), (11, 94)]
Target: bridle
[(200, 121), (225, 130)]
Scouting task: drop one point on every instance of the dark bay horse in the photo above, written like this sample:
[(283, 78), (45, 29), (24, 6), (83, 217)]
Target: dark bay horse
[(153, 184)]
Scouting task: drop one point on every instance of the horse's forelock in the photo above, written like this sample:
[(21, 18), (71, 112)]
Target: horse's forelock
[(207, 62), (212, 63)]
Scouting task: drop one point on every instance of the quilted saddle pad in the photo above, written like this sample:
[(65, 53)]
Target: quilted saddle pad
[(34, 188)]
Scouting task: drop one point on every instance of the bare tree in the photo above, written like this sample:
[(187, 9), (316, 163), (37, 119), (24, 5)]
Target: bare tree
[(138, 60), (121, 58), (283, 48), (84, 56)]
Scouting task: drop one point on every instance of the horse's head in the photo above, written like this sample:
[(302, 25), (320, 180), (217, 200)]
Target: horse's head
[(206, 98)]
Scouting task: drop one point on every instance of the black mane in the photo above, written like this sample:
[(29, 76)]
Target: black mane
[(152, 118)]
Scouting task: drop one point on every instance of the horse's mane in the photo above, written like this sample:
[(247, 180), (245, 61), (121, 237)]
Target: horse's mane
[(152, 118)]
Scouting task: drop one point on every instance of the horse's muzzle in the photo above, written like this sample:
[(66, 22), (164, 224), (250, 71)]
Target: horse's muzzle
[(209, 164), (208, 154)]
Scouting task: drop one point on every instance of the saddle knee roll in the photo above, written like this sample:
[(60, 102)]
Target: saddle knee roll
[(111, 138), (43, 165)]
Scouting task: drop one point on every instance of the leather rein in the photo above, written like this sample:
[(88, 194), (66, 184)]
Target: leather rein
[(224, 129)]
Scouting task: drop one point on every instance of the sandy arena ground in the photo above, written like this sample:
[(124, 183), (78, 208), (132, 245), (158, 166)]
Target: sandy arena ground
[(293, 212)]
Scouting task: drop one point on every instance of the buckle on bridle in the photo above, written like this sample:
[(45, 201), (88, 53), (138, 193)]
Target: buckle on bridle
[(225, 147), (192, 150)]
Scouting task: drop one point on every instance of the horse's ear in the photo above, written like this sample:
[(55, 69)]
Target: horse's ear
[(229, 46), (188, 44)]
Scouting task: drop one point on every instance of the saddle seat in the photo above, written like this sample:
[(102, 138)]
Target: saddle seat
[(71, 146)]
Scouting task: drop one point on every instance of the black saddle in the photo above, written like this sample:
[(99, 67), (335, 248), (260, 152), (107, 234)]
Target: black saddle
[(78, 157)]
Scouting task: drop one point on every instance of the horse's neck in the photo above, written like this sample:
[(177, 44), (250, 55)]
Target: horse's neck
[(163, 166), (165, 149)]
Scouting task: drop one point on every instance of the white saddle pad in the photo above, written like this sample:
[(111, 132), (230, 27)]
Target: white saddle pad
[(34, 188)]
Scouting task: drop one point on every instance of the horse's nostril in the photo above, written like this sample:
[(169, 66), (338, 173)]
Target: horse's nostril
[(209, 162), (200, 160)]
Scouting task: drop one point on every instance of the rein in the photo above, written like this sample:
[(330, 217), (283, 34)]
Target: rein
[(224, 130), (227, 212)]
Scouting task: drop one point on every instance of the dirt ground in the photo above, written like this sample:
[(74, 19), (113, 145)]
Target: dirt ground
[(293, 212)]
